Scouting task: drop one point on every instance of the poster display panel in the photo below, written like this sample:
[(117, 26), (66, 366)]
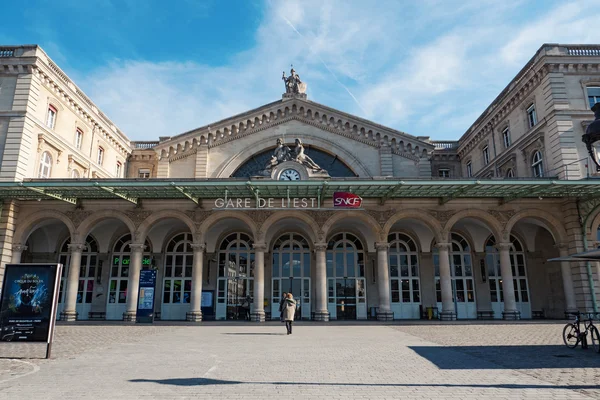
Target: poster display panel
[(28, 303), (145, 307)]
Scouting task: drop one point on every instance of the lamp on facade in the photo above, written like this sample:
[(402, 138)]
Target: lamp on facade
[(592, 135)]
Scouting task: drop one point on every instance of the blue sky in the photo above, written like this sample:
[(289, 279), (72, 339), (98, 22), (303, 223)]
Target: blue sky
[(427, 67)]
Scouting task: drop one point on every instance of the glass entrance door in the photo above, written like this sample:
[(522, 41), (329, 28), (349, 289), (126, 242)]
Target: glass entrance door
[(299, 288), (347, 298)]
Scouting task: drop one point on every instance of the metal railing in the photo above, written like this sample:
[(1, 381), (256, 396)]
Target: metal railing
[(445, 144), (144, 145)]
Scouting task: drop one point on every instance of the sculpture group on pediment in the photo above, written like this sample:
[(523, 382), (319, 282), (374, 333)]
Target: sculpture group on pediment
[(283, 153)]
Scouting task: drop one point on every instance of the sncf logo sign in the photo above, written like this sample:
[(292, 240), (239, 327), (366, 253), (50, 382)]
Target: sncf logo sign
[(346, 200)]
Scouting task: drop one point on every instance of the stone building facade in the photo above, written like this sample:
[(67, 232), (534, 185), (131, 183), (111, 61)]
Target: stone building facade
[(237, 212)]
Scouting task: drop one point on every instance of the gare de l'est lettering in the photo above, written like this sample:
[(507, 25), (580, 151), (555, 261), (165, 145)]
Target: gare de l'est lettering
[(357, 220)]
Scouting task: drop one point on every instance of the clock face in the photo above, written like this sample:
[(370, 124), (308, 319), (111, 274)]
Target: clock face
[(289, 175)]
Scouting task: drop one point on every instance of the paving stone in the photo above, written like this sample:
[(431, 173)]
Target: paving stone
[(335, 361)]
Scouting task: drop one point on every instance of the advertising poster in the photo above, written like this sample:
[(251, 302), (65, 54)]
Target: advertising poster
[(145, 307), (28, 303)]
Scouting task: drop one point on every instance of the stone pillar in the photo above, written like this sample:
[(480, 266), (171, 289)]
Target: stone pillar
[(321, 312), (383, 282), (133, 285), (258, 315), (70, 311), (195, 313), (508, 287), (448, 312), (17, 251), (567, 276)]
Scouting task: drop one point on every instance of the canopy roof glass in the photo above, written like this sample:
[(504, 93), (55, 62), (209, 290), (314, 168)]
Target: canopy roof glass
[(194, 189)]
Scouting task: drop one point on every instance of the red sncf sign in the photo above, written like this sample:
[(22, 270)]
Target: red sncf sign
[(346, 200)]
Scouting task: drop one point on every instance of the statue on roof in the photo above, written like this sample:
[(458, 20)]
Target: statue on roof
[(293, 84)]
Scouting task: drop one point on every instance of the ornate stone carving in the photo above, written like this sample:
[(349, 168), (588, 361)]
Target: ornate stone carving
[(78, 216), (502, 216), (442, 216), (382, 217), (320, 217), (283, 153), (293, 84), (138, 216), (198, 215), (259, 216)]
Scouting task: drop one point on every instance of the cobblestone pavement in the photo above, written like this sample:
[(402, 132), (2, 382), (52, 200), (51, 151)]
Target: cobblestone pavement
[(343, 361)]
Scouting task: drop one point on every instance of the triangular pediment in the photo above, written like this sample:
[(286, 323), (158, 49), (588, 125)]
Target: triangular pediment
[(315, 114)]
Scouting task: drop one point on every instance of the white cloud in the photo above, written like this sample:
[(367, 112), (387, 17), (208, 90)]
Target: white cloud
[(408, 65)]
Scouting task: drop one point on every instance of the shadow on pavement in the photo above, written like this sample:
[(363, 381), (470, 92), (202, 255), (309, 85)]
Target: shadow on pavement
[(214, 382), (254, 333), (508, 357)]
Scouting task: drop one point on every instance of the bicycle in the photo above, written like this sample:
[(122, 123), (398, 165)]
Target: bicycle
[(572, 333)]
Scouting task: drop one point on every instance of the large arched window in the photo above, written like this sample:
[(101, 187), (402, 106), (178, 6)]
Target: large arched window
[(291, 272), (404, 269), (235, 283), (331, 163), (519, 272), (119, 275), (88, 272), (346, 285), (177, 277), (461, 272), (45, 168), (537, 164)]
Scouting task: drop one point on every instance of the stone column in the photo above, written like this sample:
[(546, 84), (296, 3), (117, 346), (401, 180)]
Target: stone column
[(195, 313), (567, 276), (17, 251), (448, 312), (383, 282), (258, 315), (70, 311), (508, 287), (133, 285), (321, 312)]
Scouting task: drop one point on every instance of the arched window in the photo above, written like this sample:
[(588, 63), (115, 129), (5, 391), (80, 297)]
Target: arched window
[(537, 164), (119, 275), (404, 269), (45, 165), (510, 173), (329, 162), (519, 272), (291, 271), (75, 174), (88, 272), (461, 272), (345, 259), (235, 282)]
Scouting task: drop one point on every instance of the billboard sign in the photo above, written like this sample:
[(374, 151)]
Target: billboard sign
[(346, 200), (28, 303)]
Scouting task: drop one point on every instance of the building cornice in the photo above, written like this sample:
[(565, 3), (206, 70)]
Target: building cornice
[(306, 112), (565, 59)]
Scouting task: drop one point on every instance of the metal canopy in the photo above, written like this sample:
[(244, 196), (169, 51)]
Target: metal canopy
[(132, 190)]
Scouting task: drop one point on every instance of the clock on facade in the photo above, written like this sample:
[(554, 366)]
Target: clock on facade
[(289, 175)]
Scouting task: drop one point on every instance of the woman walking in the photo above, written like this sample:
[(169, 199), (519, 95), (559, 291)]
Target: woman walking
[(289, 310)]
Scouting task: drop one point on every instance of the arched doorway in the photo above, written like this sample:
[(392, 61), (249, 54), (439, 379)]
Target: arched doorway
[(90, 271), (461, 272), (291, 273), (519, 272), (235, 282), (177, 277), (119, 276), (404, 276), (346, 285)]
